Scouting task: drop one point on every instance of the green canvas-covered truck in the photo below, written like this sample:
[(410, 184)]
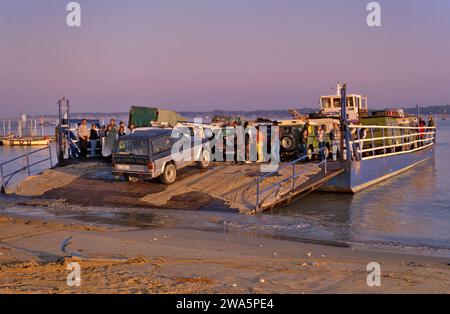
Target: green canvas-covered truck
[(148, 116)]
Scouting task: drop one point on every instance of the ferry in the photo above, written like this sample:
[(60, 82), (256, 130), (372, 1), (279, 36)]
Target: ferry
[(382, 145)]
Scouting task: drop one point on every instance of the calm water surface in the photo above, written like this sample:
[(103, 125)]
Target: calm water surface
[(10, 152)]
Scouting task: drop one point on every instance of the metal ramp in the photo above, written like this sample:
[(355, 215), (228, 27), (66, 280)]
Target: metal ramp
[(292, 181)]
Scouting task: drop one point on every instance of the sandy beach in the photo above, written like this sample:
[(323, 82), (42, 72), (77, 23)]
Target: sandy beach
[(34, 253)]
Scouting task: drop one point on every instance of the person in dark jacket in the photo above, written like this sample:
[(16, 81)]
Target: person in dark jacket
[(93, 139), (335, 138), (303, 140), (432, 128), (122, 131)]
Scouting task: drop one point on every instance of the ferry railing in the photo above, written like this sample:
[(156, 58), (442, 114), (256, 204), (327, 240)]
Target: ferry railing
[(5, 178), (292, 177), (394, 140)]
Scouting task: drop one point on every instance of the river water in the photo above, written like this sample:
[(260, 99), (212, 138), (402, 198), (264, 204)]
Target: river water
[(409, 211), (11, 152)]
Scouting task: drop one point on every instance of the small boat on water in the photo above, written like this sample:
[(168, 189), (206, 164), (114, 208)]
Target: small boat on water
[(11, 141), (24, 135)]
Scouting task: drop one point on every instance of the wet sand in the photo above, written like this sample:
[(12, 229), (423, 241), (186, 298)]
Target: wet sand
[(161, 257)]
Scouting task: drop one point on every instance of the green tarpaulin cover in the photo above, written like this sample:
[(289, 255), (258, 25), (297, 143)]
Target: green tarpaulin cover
[(143, 116)]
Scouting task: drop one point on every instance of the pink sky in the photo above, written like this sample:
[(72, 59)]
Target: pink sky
[(232, 55)]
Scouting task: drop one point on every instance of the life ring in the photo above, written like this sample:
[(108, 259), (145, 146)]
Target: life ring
[(12, 142), (28, 142)]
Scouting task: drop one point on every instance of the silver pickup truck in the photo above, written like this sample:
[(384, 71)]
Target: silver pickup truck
[(150, 154)]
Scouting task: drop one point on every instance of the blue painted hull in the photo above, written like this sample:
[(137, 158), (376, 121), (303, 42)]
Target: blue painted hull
[(361, 174)]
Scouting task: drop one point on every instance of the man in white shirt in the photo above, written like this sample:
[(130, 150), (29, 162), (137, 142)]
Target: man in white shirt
[(83, 137)]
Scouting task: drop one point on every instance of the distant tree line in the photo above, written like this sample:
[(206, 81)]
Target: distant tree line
[(283, 113)]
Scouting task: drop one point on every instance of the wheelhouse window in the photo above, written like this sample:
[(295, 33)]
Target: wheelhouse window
[(326, 103), (132, 147), (350, 102), (337, 102)]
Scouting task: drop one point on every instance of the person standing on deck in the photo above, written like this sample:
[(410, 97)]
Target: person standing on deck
[(335, 140), (431, 126), (421, 131), (321, 140), (260, 144), (431, 123), (122, 126), (303, 142), (102, 132), (247, 139), (110, 139), (83, 136), (275, 143), (235, 142), (93, 139), (122, 131)]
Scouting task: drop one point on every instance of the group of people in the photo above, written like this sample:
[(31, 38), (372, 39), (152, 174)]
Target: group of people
[(335, 141), (106, 137), (260, 143), (423, 128)]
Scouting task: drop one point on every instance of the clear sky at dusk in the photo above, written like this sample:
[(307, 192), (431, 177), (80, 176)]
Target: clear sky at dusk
[(220, 54)]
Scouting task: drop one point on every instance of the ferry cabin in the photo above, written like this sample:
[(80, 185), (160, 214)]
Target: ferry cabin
[(356, 105)]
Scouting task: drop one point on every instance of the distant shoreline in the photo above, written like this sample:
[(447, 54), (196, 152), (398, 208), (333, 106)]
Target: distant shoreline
[(443, 109)]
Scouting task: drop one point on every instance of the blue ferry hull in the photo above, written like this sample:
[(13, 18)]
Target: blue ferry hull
[(361, 174)]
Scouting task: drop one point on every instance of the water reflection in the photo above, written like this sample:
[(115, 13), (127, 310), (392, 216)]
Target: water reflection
[(391, 209), (328, 213)]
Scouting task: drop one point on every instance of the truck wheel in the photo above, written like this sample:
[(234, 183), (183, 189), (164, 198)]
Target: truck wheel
[(206, 159), (169, 175)]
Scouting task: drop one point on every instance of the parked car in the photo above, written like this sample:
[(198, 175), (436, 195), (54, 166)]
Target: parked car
[(149, 154)]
